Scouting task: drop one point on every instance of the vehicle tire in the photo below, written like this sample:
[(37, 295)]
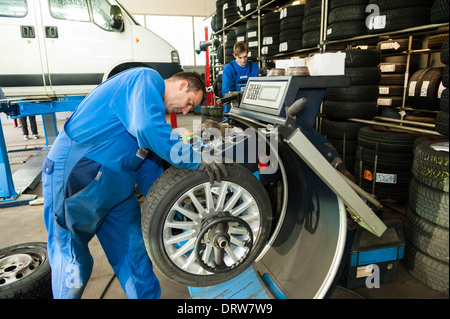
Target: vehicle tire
[(430, 165), (342, 110), (389, 139), (428, 270), (358, 58), (439, 11), (426, 236), (403, 18), (441, 124), (444, 52), (178, 208), (355, 93), (429, 203), (25, 272)]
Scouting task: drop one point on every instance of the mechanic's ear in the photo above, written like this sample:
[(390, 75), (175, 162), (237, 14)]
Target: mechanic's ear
[(183, 84)]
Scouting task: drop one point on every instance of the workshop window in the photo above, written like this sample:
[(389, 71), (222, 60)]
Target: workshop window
[(76, 10), (101, 14), (13, 8)]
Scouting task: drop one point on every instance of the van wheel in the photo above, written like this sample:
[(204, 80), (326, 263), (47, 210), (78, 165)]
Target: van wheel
[(202, 234), (25, 272)]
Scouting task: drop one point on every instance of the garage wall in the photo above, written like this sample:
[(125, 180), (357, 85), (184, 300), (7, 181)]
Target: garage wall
[(198, 8)]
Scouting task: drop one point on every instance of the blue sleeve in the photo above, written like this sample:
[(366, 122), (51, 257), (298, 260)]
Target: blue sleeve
[(140, 108), (228, 81), (255, 69)]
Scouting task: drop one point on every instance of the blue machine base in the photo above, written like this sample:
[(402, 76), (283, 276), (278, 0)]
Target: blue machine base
[(246, 285)]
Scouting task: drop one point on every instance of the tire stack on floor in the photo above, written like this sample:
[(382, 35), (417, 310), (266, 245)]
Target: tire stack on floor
[(346, 19), (383, 161), (441, 124), (357, 101), (291, 21), (400, 14), (426, 228), (311, 24), (270, 33)]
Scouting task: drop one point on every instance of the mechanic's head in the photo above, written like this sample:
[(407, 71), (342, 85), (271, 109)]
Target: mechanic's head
[(240, 52), (184, 90)]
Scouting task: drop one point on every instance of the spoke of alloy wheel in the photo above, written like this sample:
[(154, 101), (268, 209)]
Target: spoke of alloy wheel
[(209, 198), (237, 242), (183, 249), (249, 218), (242, 207), (222, 194), (232, 201), (189, 261), (197, 204), (186, 212), (180, 225), (181, 237), (230, 252)]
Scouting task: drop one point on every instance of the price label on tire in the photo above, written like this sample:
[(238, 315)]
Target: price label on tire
[(386, 178)]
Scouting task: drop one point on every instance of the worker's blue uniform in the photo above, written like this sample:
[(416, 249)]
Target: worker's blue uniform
[(89, 178), (235, 77)]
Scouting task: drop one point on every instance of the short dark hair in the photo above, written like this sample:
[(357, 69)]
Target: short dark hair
[(195, 81)]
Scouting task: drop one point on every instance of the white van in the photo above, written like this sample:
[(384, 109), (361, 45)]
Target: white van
[(51, 48)]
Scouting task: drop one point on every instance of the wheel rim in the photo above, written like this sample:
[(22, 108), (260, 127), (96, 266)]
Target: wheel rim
[(183, 224), (15, 267)]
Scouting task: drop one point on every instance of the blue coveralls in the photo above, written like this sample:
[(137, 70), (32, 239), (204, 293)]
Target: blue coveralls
[(235, 78), (89, 178)]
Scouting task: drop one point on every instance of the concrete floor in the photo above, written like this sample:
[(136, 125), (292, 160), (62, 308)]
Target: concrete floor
[(22, 224)]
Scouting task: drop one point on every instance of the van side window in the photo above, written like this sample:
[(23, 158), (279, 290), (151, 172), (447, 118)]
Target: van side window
[(101, 13), (13, 8), (76, 10)]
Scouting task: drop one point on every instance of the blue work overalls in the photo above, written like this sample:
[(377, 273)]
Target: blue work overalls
[(115, 138)]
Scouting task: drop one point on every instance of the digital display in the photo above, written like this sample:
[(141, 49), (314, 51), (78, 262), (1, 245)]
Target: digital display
[(269, 93)]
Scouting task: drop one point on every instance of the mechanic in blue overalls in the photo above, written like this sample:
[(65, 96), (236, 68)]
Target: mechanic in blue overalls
[(236, 73), (115, 138)]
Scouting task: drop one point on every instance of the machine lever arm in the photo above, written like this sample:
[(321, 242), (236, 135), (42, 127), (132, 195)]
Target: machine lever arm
[(297, 107), (233, 96)]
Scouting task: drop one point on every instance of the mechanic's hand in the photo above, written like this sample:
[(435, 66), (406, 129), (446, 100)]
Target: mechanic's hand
[(214, 166)]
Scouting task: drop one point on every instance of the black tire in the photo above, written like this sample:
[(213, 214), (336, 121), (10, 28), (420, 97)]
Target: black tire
[(167, 191), (389, 139), (444, 52), (347, 13), (337, 129), (403, 18), (363, 76), (353, 93), (342, 110), (426, 236), (428, 270), (444, 101), (425, 98), (311, 22), (345, 29), (310, 39), (436, 41), (439, 11), (31, 279), (429, 203), (441, 124), (332, 4), (430, 166), (400, 161), (399, 4), (362, 58)]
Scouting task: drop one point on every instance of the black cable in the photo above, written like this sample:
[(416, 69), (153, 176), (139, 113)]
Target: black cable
[(107, 286)]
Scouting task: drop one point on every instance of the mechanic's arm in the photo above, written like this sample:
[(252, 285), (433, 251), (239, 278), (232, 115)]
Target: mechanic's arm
[(228, 81)]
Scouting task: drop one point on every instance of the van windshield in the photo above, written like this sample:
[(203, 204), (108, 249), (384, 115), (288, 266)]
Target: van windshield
[(128, 13)]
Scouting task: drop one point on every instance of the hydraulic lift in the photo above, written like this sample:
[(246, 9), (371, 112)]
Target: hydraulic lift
[(303, 255), (11, 187)]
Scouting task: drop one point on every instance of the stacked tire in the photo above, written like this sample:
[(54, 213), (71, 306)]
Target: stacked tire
[(311, 24), (383, 161), (439, 11), (400, 14), (270, 33), (427, 219), (346, 19), (252, 39), (441, 124), (214, 112), (291, 21), (391, 86), (230, 13), (357, 101), (230, 40)]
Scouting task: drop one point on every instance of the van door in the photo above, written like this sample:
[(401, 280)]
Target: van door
[(23, 69), (81, 45)]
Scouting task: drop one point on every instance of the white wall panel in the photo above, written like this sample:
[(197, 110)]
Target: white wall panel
[(200, 8)]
